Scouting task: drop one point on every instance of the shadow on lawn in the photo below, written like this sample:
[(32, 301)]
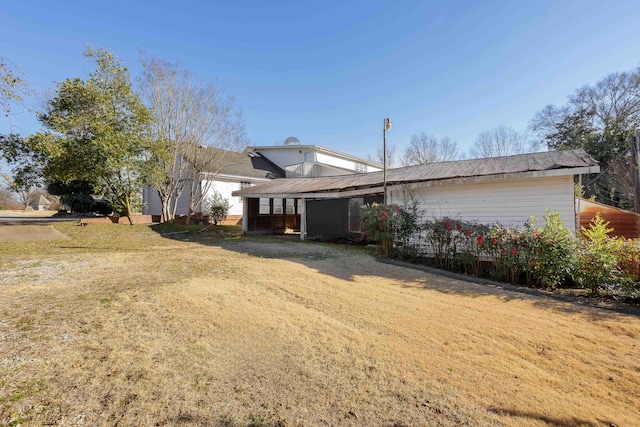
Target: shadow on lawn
[(339, 261), (470, 286), (551, 421)]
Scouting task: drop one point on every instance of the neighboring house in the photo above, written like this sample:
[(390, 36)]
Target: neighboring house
[(507, 190), (260, 165), (41, 203)]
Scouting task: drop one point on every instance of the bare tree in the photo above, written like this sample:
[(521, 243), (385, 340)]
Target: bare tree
[(6, 199), (500, 141), (379, 157), (425, 148), (599, 119), (197, 132)]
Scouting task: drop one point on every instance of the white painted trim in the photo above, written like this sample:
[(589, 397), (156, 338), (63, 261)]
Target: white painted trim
[(302, 210), (332, 195), (245, 215), (206, 175)]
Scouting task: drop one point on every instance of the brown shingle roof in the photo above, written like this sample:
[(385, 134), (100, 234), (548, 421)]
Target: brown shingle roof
[(534, 162)]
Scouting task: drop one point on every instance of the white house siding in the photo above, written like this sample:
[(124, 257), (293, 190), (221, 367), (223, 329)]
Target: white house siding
[(153, 206), (224, 188), (510, 203), (337, 162)]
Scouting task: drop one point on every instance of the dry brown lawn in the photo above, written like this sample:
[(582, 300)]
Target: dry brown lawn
[(259, 332)]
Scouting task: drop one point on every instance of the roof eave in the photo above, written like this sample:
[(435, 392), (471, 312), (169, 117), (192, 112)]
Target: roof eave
[(376, 187)]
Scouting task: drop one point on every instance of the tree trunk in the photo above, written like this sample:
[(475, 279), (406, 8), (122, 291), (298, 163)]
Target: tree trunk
[(165, 214), (127, 209)]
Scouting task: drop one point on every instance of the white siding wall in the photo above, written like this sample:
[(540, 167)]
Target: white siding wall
[(225, 188), (337, 162), (153, 206), (510, 203)]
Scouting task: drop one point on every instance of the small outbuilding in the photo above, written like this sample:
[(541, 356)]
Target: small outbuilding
[(507, 190), (41, 203)]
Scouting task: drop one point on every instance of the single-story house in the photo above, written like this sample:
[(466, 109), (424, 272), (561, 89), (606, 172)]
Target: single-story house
[(506, 189), (41, 203)]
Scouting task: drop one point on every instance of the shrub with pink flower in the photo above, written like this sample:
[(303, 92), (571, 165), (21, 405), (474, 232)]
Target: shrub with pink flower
[(389, 225)]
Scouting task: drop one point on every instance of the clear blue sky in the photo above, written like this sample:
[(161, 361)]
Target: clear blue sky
[(329, 72)]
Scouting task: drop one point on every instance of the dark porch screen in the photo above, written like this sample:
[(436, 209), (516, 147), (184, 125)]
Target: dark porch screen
[(355, 214)]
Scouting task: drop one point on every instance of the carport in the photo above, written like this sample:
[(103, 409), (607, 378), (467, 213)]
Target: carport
[(318, 208)]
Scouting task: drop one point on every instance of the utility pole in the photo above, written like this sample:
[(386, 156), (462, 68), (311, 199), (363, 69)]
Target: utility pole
[(634, 141), (385, 127)]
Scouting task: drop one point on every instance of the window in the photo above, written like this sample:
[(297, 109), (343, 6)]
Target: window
[(265, 206), (290, 207), (277, 206), (361, 168), (355, 214)]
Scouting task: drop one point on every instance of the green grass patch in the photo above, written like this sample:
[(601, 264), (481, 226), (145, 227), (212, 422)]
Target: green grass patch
[(102, 238)]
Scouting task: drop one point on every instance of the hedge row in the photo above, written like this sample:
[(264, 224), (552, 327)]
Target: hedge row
[(548, 257)]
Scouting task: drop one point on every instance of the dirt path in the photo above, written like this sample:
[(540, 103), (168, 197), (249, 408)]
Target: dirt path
[(237, 333)]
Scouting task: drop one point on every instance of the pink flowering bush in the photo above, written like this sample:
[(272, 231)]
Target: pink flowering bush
[(548, 257), (391, 226)]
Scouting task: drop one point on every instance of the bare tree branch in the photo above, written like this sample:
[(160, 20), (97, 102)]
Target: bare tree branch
[(197, 129), (500, 141), (426, 148)]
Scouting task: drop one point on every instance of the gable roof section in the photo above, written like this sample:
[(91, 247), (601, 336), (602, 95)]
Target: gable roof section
[(568, 162), (316, 148), (226, 163), (41, 201), (253, 165)]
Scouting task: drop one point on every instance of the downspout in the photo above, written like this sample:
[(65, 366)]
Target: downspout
[(577, 204)]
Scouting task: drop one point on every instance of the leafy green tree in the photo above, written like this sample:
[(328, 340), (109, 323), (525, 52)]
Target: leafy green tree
[(12, 87), (97, 133), (599, 119), (26, 165)]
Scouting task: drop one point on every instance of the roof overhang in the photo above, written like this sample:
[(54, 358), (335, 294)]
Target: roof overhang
[(214, 176), (378, 188)]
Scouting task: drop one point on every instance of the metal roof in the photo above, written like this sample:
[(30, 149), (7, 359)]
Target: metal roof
[(568, 162)]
